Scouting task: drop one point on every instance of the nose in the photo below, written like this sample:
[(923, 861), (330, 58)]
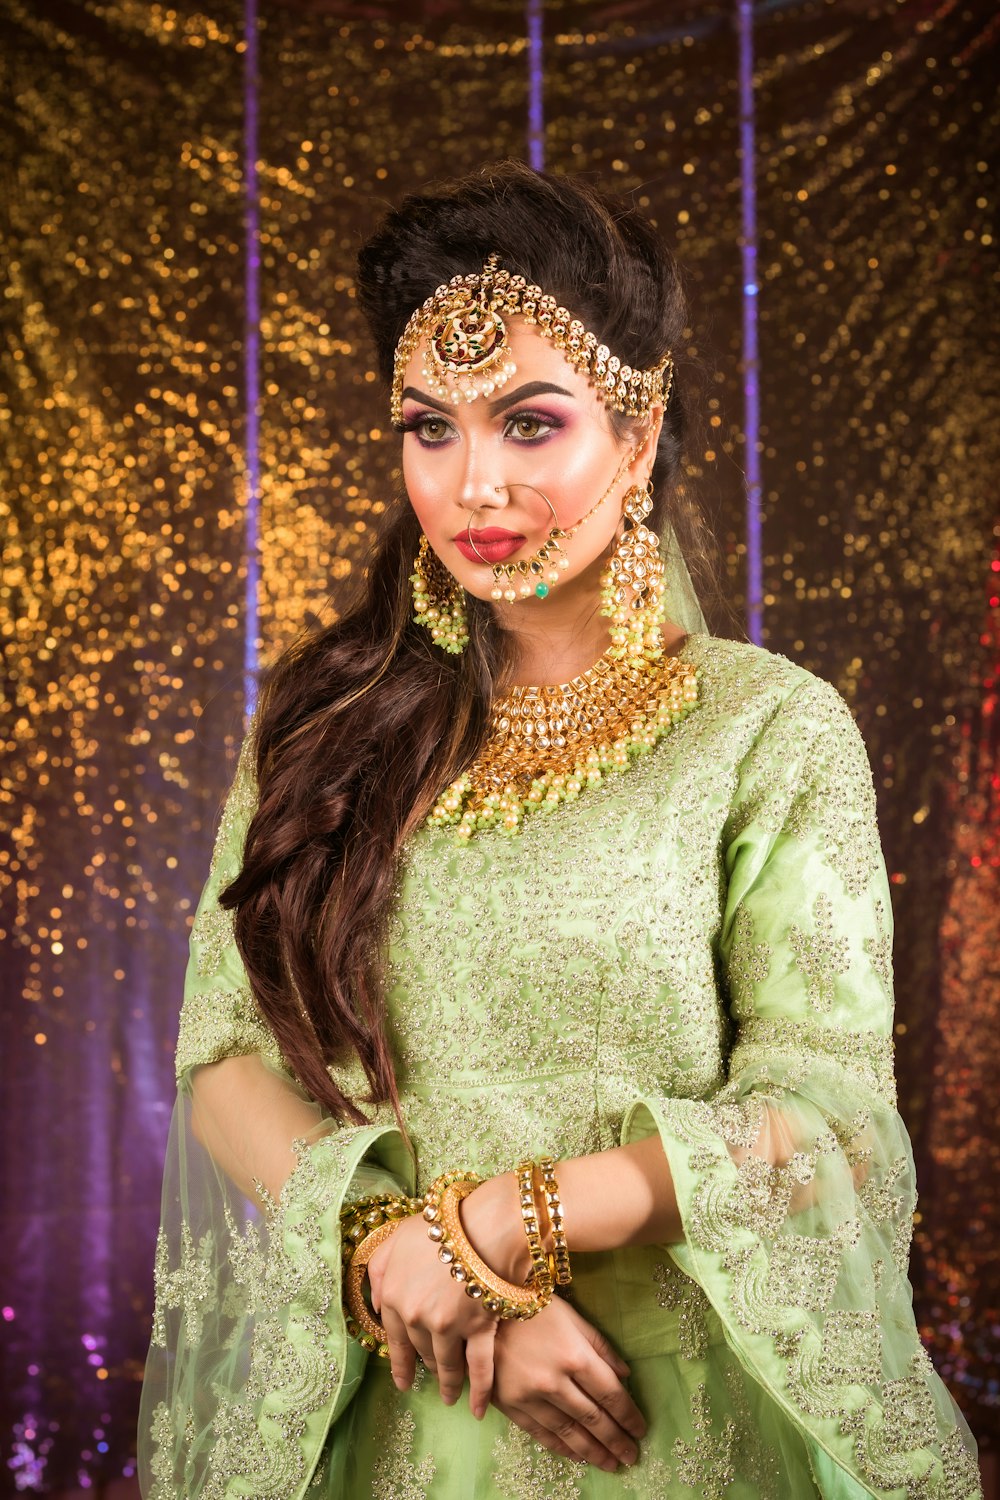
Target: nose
[(479, 487)]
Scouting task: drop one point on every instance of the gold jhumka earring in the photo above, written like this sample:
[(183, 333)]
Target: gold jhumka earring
[(438, 601), (632, 587)]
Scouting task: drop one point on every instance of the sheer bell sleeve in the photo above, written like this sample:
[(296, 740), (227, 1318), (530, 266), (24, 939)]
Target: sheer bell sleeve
[(795, 1183), (250, 1361)]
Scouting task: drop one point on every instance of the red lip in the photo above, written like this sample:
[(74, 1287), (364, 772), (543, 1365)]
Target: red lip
[(492, 544), (488, 534)]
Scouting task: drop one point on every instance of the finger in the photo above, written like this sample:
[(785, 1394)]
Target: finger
[(424, 1347), (449, 1364), (597, 1419), (608, 1354), (375, 1297), (402, 1355), (578, 1436), (596, 1383), (537, 1432), (479, 1353), (376, 1275)]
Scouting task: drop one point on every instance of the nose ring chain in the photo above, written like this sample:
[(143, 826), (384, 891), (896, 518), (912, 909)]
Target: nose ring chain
[(536, 575)]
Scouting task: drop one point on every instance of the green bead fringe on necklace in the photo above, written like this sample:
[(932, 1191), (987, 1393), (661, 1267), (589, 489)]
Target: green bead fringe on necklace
[(549, 744)]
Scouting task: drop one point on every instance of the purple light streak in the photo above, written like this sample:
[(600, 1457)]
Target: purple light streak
[(251, 358), (536, 85), (751, 361)]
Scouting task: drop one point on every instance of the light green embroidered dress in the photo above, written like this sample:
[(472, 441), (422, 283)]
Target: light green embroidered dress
[(699, 947)]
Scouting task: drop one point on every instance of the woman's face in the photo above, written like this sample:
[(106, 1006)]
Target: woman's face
[(474, 470)]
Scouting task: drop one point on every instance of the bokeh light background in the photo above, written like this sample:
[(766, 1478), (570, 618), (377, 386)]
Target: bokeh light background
[(123, 502)]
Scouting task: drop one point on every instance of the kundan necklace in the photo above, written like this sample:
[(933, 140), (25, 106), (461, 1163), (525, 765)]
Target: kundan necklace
[(548, 744)]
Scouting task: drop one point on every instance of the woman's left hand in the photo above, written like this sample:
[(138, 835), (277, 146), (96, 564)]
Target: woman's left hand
[(559, 1380), (425, 1311)]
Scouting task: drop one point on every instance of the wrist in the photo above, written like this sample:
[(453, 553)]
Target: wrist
[(491, 1217)]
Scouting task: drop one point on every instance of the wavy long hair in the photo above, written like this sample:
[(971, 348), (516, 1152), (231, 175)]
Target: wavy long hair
[(363, 722)]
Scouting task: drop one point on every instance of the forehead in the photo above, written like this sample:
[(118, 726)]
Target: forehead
[(535, 358)]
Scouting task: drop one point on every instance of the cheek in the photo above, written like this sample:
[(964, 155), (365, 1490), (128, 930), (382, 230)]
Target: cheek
[(420, 489), (575, 476)]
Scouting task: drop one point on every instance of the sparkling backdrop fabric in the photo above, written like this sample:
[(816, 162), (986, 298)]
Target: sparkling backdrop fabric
[(122, 507)]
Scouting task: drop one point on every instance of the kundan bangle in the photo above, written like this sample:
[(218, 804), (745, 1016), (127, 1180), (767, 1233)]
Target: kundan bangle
[(444, 1228), (363, 1227), (553, 1203), (529, 1215)]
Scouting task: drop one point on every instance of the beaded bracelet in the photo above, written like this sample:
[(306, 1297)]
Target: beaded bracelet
[(444, 1228), (363, 1227), (529, 1214), (553, 1203)]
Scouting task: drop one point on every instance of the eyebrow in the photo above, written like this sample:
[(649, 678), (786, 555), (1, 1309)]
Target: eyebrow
[(509, 398)]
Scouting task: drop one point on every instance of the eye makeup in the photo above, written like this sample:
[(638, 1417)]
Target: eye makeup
[(549, 420)]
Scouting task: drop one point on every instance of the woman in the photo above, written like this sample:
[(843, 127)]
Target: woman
[(601, 967)]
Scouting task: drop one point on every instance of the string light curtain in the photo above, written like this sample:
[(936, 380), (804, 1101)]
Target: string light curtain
[(124, 485)]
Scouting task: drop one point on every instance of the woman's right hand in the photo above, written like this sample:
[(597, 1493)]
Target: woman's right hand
[(425, 1312), (559, 1379)]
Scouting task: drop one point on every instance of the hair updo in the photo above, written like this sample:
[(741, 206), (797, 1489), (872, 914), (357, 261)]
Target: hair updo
[(363, 722)]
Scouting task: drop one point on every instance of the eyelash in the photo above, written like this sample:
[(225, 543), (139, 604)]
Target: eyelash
[(544, 419)]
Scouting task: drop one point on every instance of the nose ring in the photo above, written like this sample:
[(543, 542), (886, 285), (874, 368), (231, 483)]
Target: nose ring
[(524, 485), (538, 573), (472, 544), (498, 489)]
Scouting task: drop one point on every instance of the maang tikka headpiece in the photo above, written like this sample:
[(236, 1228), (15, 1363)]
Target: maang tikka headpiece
[(467, 354)]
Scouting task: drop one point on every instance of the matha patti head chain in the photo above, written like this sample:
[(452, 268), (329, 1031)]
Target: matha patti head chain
[(466, 351)]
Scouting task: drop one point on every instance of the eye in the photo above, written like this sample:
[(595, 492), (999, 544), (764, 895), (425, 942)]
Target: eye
[(530, 427), (430, 428)]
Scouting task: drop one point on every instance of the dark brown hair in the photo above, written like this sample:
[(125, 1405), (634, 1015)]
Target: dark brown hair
[(362, 723)]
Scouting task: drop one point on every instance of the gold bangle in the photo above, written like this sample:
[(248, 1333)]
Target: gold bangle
[(363, 1227), (553, 1203), (444, 1228), (529, 1217), (505, 1298)]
